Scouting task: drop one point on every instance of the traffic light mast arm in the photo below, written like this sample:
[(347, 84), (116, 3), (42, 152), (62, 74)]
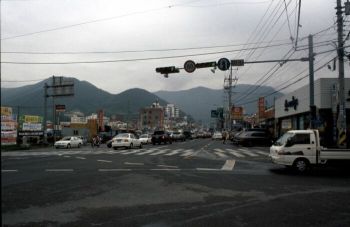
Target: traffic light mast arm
[(270, 61)]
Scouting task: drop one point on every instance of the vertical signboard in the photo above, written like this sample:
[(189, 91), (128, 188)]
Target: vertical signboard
[(261, 107), (8, 126), (100, 120)]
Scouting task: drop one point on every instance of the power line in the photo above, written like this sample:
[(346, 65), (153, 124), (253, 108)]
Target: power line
[(21, 81), (95, 21), (134, 59), (300, 79), (127, 51)]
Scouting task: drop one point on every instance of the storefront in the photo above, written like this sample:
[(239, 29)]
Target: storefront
[(292, 111)]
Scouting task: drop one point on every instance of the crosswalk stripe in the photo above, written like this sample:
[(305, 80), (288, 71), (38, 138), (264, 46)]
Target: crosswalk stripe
[(263, 153), (219, 150), (220, 154), (160, 152), (132, 152), (249, 153), (187, 153), (172, 153), (146, 152), (235, 153)]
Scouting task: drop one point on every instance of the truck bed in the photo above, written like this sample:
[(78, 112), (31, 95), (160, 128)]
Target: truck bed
[(335, 154)]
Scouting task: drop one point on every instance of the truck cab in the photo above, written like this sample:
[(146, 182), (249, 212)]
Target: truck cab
[(298, 148), (301, 148)]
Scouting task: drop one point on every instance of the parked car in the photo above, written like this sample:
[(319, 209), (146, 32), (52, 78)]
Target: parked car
[(84, 139), (109, 142), (188, 135), (68, 142), (250, 138), (127, 140), (217, 136), (146, 138), (178, 136), (161, 137)]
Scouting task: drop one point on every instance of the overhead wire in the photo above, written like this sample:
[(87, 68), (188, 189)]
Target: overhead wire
[(133, 59)]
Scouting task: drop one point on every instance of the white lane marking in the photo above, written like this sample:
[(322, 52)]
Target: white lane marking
[(166, 166), (146, 152), (160, 152), (263, 153), (132, 152), (247, 152), (229, 164), (103, 161), (174, 152), (187, 153), (80, 158), (165, 169), (114, 170), (133, 163), (9, 170), (59, 170), (220, 153), (121, 152), (207, 169), (66, 156), (235, 153)]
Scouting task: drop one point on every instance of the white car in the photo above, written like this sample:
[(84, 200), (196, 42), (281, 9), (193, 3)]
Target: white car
[(146, 138), (217, 136), (127, 140), (68, 142)]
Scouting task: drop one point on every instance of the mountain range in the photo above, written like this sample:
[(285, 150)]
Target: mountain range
[(196, 102)]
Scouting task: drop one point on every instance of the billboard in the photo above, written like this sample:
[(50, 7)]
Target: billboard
[(237, 113), (31, 126), (30, 119), (6, 111), (62, 86)]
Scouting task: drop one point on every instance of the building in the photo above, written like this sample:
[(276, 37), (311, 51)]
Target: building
[(171, 111), (292, 111), (152, 117)]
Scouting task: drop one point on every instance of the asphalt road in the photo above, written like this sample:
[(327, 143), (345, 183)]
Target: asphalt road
[(194, 183)]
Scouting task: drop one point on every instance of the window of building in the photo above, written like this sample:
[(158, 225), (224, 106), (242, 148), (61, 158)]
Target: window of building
[(75, 132)]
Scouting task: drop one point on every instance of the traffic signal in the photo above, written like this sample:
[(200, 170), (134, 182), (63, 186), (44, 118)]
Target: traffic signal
[(167, 70)]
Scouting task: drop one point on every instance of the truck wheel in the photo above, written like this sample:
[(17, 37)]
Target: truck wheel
[(301, 165)]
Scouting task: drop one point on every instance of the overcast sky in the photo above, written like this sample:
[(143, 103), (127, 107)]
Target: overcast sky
[(209, 26)]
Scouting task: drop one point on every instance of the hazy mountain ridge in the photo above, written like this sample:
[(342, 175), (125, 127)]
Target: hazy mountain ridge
[(196, 102), (199, 101), (87, 99)]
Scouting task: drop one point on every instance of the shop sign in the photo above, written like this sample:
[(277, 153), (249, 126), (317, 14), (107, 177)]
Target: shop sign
[(6, 111), (31, 133), (31, 127), (8, 125), (287, 124), (31, 119), (11, 117), (293, 103), (8, 137)]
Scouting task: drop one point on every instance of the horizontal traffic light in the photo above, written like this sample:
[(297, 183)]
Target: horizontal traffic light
[(167, 70)]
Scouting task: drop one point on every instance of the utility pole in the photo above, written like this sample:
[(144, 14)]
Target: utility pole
[(230, 100), (341, 115), (45, 112), (311, 82)]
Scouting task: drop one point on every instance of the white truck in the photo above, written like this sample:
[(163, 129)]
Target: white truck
[(301, 149)]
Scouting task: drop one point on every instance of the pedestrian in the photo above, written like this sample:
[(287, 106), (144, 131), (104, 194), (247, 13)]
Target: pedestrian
[(224, 137)]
